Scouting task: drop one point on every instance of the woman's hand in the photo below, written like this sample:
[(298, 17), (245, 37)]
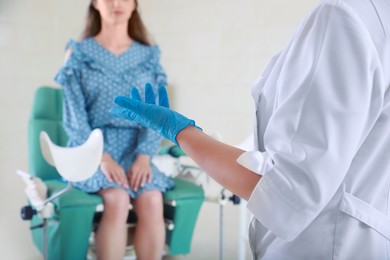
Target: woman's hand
[(140, 172), (113, 171)]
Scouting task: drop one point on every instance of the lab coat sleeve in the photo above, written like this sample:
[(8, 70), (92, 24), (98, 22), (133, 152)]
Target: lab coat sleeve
[(327, 101)]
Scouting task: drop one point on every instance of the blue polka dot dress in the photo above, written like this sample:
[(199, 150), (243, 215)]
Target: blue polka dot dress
[(91, 78)]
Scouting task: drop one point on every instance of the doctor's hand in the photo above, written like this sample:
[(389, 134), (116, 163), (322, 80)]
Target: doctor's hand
[(157, 117), (140, 172), (113, 171)]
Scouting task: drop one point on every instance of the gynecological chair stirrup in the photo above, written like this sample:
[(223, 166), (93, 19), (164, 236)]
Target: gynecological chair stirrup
[(73, 164)]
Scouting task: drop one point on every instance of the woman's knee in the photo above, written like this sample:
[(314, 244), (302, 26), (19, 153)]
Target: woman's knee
[(116, 201), (149, 201)]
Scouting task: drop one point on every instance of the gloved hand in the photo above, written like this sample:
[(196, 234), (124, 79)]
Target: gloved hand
[(157, 117)]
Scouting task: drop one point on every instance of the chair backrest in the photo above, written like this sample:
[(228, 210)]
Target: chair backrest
[(46, 115)]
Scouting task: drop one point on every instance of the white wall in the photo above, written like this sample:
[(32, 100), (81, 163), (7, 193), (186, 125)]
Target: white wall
[(212, 51)]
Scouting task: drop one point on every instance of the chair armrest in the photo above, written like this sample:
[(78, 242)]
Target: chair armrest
[(72, 198), (172, 150), (184, 190)]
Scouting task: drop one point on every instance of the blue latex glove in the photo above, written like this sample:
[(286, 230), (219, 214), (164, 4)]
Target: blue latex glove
[(157, 117)]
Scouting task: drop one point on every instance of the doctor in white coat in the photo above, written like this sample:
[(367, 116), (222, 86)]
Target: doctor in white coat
[(318, 185)]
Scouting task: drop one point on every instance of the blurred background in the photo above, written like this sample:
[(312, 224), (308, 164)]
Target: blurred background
[(212, 51)]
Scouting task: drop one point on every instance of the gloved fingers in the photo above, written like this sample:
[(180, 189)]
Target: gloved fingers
[(120, 112), (127, 106), (135, 94), (126, 102), (163, 97), (150, 97)]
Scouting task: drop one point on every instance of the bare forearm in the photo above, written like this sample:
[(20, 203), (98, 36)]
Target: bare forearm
[(219, 161)]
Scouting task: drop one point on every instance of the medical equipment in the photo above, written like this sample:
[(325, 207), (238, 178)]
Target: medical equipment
[(72, 223), (73, 164), (222, 200), (36, 192)]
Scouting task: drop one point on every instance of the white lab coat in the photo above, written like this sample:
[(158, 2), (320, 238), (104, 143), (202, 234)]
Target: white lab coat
[(323, 135)]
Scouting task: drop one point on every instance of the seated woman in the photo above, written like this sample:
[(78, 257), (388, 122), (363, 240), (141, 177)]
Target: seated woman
[(114, 55)]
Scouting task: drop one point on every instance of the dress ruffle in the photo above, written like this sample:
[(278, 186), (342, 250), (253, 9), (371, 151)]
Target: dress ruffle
[(99, 181), (78, 58)]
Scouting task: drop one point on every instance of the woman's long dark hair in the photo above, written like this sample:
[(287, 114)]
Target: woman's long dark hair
[(135, 28)]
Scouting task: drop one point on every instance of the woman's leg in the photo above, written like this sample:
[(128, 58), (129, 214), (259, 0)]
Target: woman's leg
[(149, 239), (111, 236)]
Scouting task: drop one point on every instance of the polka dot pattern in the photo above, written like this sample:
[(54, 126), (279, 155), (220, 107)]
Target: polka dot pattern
[(91, 78)]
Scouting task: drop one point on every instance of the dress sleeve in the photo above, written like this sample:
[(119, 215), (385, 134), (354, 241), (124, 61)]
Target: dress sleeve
[(329, 96), (161, 76), (75, 116), (149, 141)]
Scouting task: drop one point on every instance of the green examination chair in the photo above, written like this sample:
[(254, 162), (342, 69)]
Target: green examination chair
[(69, 229)]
